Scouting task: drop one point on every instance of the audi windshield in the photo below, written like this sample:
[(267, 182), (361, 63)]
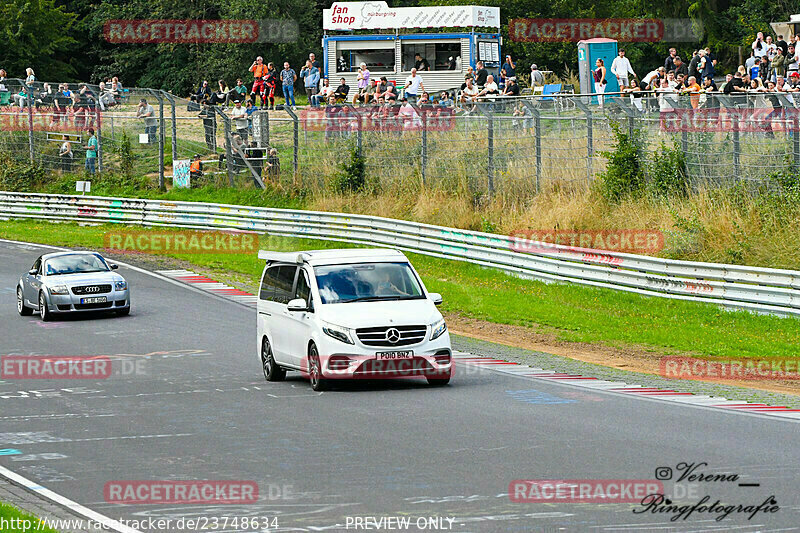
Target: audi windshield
[(74, 264), (364, 282)]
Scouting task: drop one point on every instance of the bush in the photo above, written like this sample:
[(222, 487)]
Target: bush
[(624, 175), (667, 172), (352, 175), (20, 176)]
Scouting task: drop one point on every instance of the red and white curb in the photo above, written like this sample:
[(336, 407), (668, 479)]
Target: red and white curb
[(210, 285), (517, 369), (620, 387)]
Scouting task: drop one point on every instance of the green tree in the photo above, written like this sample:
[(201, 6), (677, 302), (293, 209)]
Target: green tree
[(34, 33)]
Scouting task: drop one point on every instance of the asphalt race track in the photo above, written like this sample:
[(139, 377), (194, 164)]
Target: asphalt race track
[(187, 401)]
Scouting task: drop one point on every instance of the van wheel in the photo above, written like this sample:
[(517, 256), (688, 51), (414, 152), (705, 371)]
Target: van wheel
[(22, 309), (272, 371), (318, 383), (44, 313)]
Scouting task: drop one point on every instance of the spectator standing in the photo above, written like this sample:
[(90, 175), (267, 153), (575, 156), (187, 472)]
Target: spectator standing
[(240, 122), (693, 63), (146, 112), (537, 78), (413, 87), (600, 80), (288, 77), (314, 62), (758, 46), (66, 155), (363, 82), (751, 61), (792, 60), (259, 70), (508, 70), (770, 47), (3, 80), (621, 67), (30, 76), (778, 64), (680, 67), (310, 75), (763, 69), (91, 152), (783, 45), (481, 75), (669, 62), (270, 84)]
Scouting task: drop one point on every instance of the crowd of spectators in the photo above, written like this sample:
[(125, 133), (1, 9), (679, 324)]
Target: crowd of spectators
[(773, 67)]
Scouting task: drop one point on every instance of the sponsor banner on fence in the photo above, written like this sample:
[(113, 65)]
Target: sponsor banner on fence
[(388, 119), (181, 31), (195, 242), (180, 492), (753, 120), (743, 369), (620, 29), (583, 490), (639, 241)]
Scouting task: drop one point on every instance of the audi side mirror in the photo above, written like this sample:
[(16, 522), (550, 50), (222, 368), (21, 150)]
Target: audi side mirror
[(298, 304), (435, 297), (113, 266)]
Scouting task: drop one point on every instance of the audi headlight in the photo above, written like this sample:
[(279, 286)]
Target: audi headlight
[(438, 328), (337, 332), (59, 289), (120, 285)]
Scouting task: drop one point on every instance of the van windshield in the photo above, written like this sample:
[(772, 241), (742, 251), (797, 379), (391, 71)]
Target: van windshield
[(364, 282)]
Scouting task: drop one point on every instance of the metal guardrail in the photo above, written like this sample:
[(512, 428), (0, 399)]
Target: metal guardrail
[(754, 289)]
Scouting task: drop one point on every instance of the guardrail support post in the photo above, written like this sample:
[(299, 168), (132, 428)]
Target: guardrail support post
[(98, 118), (796, 137), (589, 140), (537, 126)]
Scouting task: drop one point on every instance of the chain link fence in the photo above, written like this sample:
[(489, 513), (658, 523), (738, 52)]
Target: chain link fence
[(506, 146)]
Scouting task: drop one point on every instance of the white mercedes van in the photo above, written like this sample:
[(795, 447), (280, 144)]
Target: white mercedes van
[(351, 313)]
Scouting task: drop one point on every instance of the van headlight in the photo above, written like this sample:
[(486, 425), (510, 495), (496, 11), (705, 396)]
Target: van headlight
[(120, 285), (337, 332), (438, 328), (59, 289)]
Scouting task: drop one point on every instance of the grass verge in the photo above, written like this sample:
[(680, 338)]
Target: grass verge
[(572, 313), (15, 521)]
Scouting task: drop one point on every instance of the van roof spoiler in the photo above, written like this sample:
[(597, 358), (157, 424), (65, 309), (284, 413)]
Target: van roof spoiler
[(282, 257)]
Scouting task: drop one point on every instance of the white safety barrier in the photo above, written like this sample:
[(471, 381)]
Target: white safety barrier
[(755, 289)]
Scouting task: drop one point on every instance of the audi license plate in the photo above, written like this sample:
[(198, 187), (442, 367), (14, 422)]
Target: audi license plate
[(93, 300), (405, 354)]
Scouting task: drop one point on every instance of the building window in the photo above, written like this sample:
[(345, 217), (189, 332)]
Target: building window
[(432, 56)]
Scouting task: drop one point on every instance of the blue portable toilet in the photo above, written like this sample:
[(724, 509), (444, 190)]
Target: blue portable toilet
[(589, 51)]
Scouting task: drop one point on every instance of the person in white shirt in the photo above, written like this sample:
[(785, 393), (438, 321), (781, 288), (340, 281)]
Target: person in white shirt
[(409, 115), (239, 116), (490, 89), (413, 86), (771, 47), (621, 67), (751, 61), (654, 75)]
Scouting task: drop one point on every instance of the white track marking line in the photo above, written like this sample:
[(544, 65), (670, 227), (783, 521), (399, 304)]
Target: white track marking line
[(76, 508)]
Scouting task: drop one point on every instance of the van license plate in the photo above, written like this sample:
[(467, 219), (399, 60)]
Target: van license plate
[(406, 354)]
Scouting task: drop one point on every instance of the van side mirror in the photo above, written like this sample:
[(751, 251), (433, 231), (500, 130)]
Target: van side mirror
[(298, 304), (435, 297), (33, 272)]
